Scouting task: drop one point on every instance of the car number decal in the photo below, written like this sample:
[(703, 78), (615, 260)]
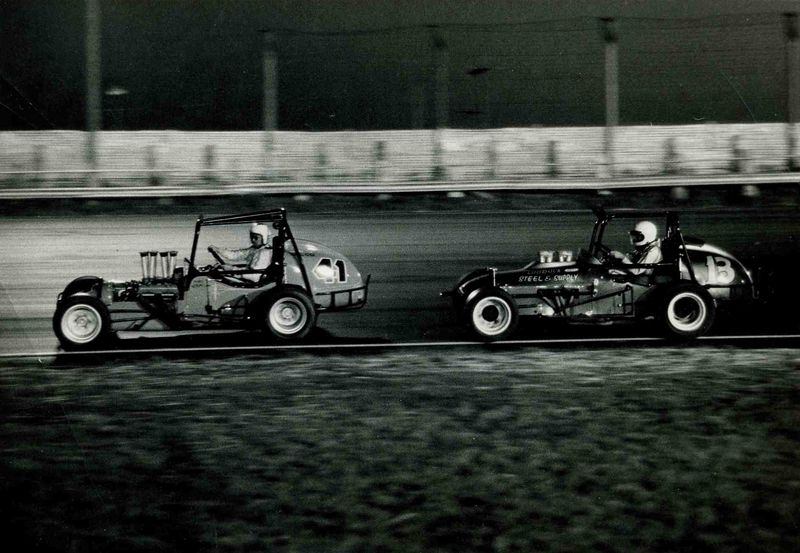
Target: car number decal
[(330, 271), (720, 270)]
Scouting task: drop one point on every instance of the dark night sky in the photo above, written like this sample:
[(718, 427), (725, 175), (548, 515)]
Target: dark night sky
[(197, 65)]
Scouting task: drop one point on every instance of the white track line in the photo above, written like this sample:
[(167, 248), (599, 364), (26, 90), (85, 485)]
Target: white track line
[(376, 346)]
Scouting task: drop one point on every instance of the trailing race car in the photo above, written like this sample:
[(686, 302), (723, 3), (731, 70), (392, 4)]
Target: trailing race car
[(282, 300), (681, 292)]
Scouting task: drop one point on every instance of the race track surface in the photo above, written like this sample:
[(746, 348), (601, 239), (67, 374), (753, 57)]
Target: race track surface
[(449, 448), (411, 256)]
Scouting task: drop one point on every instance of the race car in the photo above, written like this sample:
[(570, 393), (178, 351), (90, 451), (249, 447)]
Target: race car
[(682, 292), (282, 300)]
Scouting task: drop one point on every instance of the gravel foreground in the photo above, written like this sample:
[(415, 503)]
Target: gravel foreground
[(664, 449)]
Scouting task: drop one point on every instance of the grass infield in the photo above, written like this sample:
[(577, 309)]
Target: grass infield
[(671, 449)]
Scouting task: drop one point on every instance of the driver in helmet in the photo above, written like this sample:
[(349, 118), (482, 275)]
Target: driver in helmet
[(647, 248), (256, 257)]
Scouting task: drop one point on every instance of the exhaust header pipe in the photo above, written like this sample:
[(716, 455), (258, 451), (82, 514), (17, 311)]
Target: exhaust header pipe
[(153, 270), (153, 264), (173, 256), (145, 265), (163, 265)]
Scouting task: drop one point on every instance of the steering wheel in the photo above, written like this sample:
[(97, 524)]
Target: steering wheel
[(202, 268), (603, 253), (216, 255)]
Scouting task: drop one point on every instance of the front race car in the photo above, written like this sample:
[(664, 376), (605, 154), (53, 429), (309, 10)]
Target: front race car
[(283, 300)]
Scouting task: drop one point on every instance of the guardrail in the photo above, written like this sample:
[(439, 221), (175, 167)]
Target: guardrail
[(552, 185), (172, 158)]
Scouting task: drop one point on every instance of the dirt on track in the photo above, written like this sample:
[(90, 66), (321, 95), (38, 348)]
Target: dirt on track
[(681, 449)]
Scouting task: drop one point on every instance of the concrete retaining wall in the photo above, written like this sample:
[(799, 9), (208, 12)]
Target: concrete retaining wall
[(389, 156)]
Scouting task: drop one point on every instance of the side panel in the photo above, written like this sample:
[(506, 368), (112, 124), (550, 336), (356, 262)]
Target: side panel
[(205, 292), (569, 290), (196, 297)]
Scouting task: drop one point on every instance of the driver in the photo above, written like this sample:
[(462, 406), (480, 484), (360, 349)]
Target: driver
[(256, 257), (647, 247)]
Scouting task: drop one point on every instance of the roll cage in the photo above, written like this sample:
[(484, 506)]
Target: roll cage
[(673, 243), (275, 270)]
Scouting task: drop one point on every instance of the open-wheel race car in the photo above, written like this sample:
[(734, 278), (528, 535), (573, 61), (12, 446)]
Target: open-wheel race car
[(282, 299), (681, 292)]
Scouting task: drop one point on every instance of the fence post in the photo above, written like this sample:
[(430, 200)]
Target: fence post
[(793, 88), (38, 163), (93, 84), (151, 161), (491, 159), (209, 161), (738, 162), (322, 161), (440, 100), (270, 107), (610, 38), (672, 161), (379, 156), (552, 159)]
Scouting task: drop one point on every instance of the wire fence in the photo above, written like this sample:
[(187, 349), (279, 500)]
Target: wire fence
[(723, 69), (726, 69)]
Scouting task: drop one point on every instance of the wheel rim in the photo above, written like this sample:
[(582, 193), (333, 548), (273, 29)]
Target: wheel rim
[(491, 316), (687, 312), (81, 324), (288, 316)]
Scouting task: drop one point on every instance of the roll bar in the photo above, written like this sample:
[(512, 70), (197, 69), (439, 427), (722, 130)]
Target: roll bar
[(276, 216), (673, 229)]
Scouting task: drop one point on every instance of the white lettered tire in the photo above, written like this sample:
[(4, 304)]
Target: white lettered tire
[(492, 315), (288, 314), (82, 323), (687, 311)]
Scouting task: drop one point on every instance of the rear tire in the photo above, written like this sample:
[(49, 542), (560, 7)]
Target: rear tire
[(492, 315), (288, 314), (687, 311), (82, 323)]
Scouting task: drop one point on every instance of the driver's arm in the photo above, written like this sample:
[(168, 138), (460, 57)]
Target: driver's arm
[(652, 255), (621, 257), (236, 257), (259, 261), (617, 260)]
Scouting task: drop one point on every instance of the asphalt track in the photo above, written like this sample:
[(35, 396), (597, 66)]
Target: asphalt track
[(411, 256)]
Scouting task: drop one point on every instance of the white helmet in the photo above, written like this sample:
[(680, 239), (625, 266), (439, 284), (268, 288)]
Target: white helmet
[(260, 229), (643, 233)]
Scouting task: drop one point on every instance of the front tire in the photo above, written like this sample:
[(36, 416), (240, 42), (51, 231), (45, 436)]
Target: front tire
[(687, 311), (492, 315), (82, 323), (288, 314)]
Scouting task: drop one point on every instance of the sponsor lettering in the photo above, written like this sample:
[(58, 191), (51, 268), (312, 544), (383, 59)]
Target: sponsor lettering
[(539, 277)]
